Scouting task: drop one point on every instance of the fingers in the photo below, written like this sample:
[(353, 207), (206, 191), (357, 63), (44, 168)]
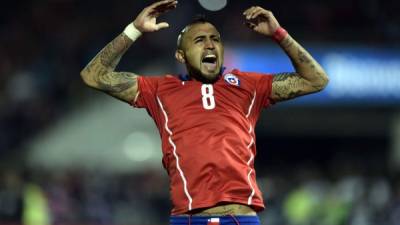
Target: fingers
[(160, 10), (257, 12), (254, 12), (162, 26), (162, 7), (248, 12), (250, 25), (161, 3), (253, 26)]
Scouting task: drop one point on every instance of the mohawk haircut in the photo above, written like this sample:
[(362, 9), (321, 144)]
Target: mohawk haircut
[(200, 18)]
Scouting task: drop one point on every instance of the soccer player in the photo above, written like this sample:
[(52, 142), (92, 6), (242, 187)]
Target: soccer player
[(206, 118)]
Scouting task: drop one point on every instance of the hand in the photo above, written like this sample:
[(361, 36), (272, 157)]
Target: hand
[(146, 20), (261, 20)]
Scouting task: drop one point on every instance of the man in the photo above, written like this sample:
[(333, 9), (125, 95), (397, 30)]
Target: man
[(206, 119)]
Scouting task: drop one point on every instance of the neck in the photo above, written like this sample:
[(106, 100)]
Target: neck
[(196, 75), (202, 79)]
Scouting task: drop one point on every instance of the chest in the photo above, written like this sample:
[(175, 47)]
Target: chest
[(191, 97)]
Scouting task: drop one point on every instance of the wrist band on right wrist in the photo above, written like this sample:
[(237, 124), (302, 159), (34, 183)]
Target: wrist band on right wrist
[(132, 32), (279, 34)]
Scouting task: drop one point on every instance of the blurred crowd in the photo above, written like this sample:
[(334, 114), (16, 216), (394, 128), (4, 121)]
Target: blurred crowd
[(44, 45), (308, 198)]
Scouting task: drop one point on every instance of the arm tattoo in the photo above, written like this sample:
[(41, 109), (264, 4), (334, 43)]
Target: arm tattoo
[(101, 68), (116, 82), (282, 76), (288, 85), (303, 58), (308, 78), (287, 43), (113, 52), (108, 58)]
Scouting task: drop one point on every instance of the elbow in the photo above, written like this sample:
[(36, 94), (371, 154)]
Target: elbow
[(87, 77), (322, 82), (84, 76), (325, 80)]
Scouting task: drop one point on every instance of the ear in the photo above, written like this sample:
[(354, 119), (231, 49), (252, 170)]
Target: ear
[(180, 56)]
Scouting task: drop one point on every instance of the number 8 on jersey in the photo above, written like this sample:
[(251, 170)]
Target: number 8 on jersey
[(207, 91)]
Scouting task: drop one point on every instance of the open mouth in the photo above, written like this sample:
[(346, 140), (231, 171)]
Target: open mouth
[(210, 61)]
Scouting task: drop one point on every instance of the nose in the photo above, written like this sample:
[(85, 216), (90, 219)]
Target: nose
[(209, 44)]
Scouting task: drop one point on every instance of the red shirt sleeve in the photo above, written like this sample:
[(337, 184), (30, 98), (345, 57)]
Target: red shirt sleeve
[(147, 88), (262, 82), (264, 88), (147, 96)]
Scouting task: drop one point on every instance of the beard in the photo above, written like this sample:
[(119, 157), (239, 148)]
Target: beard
[(198, 75)]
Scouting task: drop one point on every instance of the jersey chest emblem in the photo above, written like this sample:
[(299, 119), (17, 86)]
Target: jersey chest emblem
[(232, 79)]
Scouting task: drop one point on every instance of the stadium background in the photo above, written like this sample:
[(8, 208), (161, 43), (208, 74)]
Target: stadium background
[(73, 156)]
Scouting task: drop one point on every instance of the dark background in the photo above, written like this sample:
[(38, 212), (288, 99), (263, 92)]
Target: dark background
[(317, 163)]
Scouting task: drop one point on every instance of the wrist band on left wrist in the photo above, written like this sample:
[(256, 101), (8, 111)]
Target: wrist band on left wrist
[(279, 34), (132, 32)]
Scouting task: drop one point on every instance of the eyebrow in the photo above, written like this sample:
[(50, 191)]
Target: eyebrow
[(198, 37), (203, 36)]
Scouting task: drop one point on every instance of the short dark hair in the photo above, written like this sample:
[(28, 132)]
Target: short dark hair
[(199, 18)]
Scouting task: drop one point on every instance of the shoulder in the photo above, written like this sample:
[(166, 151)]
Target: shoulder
[(153, 83), (254, 81), (248, 73), (157, 79), (248, 76)]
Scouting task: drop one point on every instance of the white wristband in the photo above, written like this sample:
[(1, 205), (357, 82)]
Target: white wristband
[(132, 32)]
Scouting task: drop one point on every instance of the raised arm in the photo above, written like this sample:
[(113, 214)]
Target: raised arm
[(100, 72), (309, 76)]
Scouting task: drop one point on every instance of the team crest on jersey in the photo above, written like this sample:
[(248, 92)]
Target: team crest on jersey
[(232, 79)]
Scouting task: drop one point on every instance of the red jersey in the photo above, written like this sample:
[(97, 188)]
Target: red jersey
[(207, 133)]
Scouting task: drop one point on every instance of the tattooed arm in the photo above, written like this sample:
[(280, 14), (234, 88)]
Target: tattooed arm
[(309, 76), (100, 72)]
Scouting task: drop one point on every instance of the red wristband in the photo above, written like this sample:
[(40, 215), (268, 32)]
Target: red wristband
[(279, 34)]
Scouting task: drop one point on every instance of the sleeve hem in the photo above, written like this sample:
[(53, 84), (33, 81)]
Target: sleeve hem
[(133, 102)]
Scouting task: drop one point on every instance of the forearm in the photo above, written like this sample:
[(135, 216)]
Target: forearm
[(305, 65), (106, 60), (100, 74), (309, 76)]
